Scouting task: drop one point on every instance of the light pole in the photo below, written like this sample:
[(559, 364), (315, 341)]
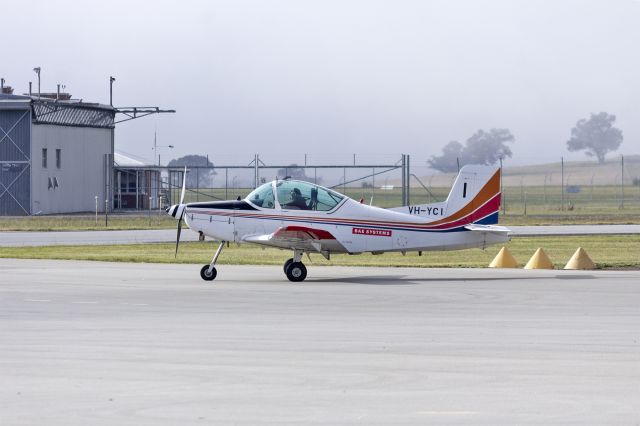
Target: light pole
[(156, 146), (37, 71)]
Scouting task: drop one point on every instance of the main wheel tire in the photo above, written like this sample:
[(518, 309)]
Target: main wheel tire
[(206, 275), (286, 265), (296, 272)]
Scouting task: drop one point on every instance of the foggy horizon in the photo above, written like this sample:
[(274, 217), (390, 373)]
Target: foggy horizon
[(330, 79)]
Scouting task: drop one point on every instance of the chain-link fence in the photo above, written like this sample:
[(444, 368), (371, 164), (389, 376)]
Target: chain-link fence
[(563, 188)]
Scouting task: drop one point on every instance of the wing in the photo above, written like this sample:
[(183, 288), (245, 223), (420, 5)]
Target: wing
[(301, 238)]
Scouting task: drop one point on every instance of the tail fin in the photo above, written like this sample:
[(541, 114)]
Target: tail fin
[(474, 198), (475, 195)]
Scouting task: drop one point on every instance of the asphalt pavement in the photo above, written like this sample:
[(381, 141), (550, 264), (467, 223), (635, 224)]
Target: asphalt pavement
[(140, 344)]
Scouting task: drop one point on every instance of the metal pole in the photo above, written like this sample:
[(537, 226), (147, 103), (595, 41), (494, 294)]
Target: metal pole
[(622, 181), (502, 190), (150, 202), (37, 70), (404, 177), (255, 171), (373, 184), (106, 213), (137, 190), (344, 180), (96, 210), (119, 189), (562, 183), (226, 183), (198, 184), (111, 80), (408, 180)]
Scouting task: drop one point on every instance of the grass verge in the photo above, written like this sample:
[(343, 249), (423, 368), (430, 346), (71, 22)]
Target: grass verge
[(86, 223), (608, 252)]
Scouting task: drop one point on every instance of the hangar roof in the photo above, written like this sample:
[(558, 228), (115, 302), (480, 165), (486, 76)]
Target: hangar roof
[(62, 112)]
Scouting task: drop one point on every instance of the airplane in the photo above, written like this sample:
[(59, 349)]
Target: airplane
[(308, 218)]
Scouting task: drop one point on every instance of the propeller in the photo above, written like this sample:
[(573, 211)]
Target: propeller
[(178, 210), (184, 209)]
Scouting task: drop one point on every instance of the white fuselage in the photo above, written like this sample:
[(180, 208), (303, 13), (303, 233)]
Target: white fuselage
[(356, 227)]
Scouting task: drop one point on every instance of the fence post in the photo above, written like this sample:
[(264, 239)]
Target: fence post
[(373, 184), (622, 181), (255, 171), (404, 183), (502, 193), (408, 179), (344, 180), (562, 183)]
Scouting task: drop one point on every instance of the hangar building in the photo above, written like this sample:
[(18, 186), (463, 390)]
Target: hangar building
[(56, 154)]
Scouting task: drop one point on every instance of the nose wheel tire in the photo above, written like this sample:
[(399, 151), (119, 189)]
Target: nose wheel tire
[(208, 275), (286, 265), (296, 272)]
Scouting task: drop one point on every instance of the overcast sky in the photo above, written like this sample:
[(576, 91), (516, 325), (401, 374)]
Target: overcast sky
[(332, 78)]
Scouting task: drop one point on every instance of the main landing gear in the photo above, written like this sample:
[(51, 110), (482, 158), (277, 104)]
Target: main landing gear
[(208, 272), (294, 269)]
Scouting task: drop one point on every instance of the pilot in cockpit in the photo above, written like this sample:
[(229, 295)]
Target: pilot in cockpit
[(297, 200), (257, 200)]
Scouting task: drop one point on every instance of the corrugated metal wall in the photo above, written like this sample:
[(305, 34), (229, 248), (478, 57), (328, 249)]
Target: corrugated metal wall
[(72, 185), (15, 156)]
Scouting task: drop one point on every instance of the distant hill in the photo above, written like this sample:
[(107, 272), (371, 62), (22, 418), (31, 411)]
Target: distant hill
[(575, 172)]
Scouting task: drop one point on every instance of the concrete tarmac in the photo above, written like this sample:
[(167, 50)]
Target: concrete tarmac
[(28, 238), (105, 343)]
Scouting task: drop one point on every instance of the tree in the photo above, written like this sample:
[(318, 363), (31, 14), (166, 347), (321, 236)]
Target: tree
[(200, 179), (596, 136), (448, 161), (481, 148)]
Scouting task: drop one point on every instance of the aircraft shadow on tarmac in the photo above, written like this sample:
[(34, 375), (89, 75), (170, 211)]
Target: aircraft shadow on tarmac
[(405, 280)]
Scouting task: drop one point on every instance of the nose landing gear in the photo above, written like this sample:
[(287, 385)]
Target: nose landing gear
[(208, 272)]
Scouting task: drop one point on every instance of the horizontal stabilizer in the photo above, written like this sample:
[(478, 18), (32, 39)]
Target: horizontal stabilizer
[(493, 229)]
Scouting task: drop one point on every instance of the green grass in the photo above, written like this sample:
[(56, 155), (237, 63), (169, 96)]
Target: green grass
[(606, 252), (86, 223)]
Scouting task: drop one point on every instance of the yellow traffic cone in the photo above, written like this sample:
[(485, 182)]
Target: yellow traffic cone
[(580, 260), (539, 260), (504, 259)]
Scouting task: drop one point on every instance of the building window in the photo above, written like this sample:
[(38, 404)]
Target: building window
[(58, 158), (44, 158)]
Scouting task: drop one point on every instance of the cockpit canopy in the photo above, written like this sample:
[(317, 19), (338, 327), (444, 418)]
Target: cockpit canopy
[(294, 195)]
